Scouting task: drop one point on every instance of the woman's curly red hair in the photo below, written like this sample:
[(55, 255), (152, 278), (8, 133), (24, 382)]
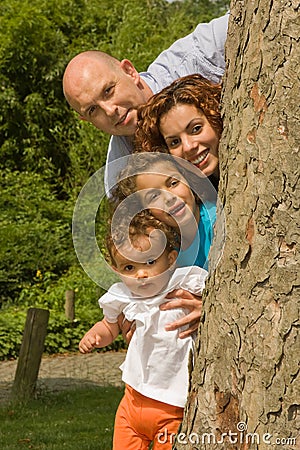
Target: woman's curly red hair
[(192, 90)]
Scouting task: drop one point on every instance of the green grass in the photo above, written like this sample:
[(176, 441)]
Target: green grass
[(78, 419)]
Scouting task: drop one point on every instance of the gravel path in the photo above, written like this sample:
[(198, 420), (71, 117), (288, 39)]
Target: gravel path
[(68, 371)]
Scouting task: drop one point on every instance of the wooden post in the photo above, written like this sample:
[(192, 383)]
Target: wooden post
[(31, 351), (70, 305)]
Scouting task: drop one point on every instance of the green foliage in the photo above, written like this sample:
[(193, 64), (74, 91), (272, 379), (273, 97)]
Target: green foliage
[(47, 154), (30, 91), (11, 332), (62, 334), (48, 292), (35, 231), (73, 419)]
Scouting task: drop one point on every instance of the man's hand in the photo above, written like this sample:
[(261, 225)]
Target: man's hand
[(184, 299)]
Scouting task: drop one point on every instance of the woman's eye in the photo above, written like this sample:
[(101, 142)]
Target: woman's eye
[(196, 129), (173, 143), (150, 262)]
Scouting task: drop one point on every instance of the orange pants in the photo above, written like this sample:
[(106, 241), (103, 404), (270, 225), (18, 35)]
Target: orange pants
[(141, 420)]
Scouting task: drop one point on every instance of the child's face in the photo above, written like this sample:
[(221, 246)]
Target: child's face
[(189, 135), (167, 195), (148, 274)]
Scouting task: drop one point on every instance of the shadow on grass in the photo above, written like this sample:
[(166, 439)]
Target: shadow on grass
[(80, 418)]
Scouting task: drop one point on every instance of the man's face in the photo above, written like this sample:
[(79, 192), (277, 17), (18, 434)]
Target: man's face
[(107, 95)]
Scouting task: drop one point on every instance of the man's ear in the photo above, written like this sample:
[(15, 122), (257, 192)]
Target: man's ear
[(130, 70)]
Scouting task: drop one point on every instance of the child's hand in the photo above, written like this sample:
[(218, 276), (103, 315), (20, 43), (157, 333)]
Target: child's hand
[(89, 341), (127, 328), (184, 299)]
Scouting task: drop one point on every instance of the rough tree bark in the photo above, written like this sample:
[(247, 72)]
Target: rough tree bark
[(246, 374)]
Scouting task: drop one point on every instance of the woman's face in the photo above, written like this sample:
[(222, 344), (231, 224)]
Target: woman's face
[(189, 135), (166, 193)]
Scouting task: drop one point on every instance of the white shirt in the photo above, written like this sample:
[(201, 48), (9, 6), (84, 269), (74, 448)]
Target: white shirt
[(156, 363), (202, 51)]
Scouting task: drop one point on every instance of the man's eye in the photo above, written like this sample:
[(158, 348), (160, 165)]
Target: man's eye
[(108, 90), (91, 110), (129, 268), (150, 262)]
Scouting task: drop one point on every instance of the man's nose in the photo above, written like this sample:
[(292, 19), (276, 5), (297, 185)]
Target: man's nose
[(109, 108)]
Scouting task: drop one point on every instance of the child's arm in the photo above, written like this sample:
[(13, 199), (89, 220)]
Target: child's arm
[(103, 333)]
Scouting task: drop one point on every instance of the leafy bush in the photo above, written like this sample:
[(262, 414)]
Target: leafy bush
[(35, 232), (62, 335), (48, 292), (11, 332)]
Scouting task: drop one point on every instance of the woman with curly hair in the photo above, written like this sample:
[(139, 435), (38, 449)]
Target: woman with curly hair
[(184, 120)]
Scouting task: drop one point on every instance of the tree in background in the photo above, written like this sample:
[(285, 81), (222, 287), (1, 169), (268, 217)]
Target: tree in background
[(246, 374)]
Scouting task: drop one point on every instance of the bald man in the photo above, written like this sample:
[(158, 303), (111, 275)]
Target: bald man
[(107, 92)]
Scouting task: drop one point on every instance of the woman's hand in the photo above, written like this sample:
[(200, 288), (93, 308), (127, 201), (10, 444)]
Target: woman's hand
[(184, 299)]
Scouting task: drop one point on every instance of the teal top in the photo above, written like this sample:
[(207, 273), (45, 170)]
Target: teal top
[(197, 253)]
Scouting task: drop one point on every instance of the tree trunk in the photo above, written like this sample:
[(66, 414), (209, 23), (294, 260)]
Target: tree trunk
[(245, 389)]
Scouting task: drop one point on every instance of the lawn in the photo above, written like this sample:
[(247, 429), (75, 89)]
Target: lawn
[(77, 419)]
